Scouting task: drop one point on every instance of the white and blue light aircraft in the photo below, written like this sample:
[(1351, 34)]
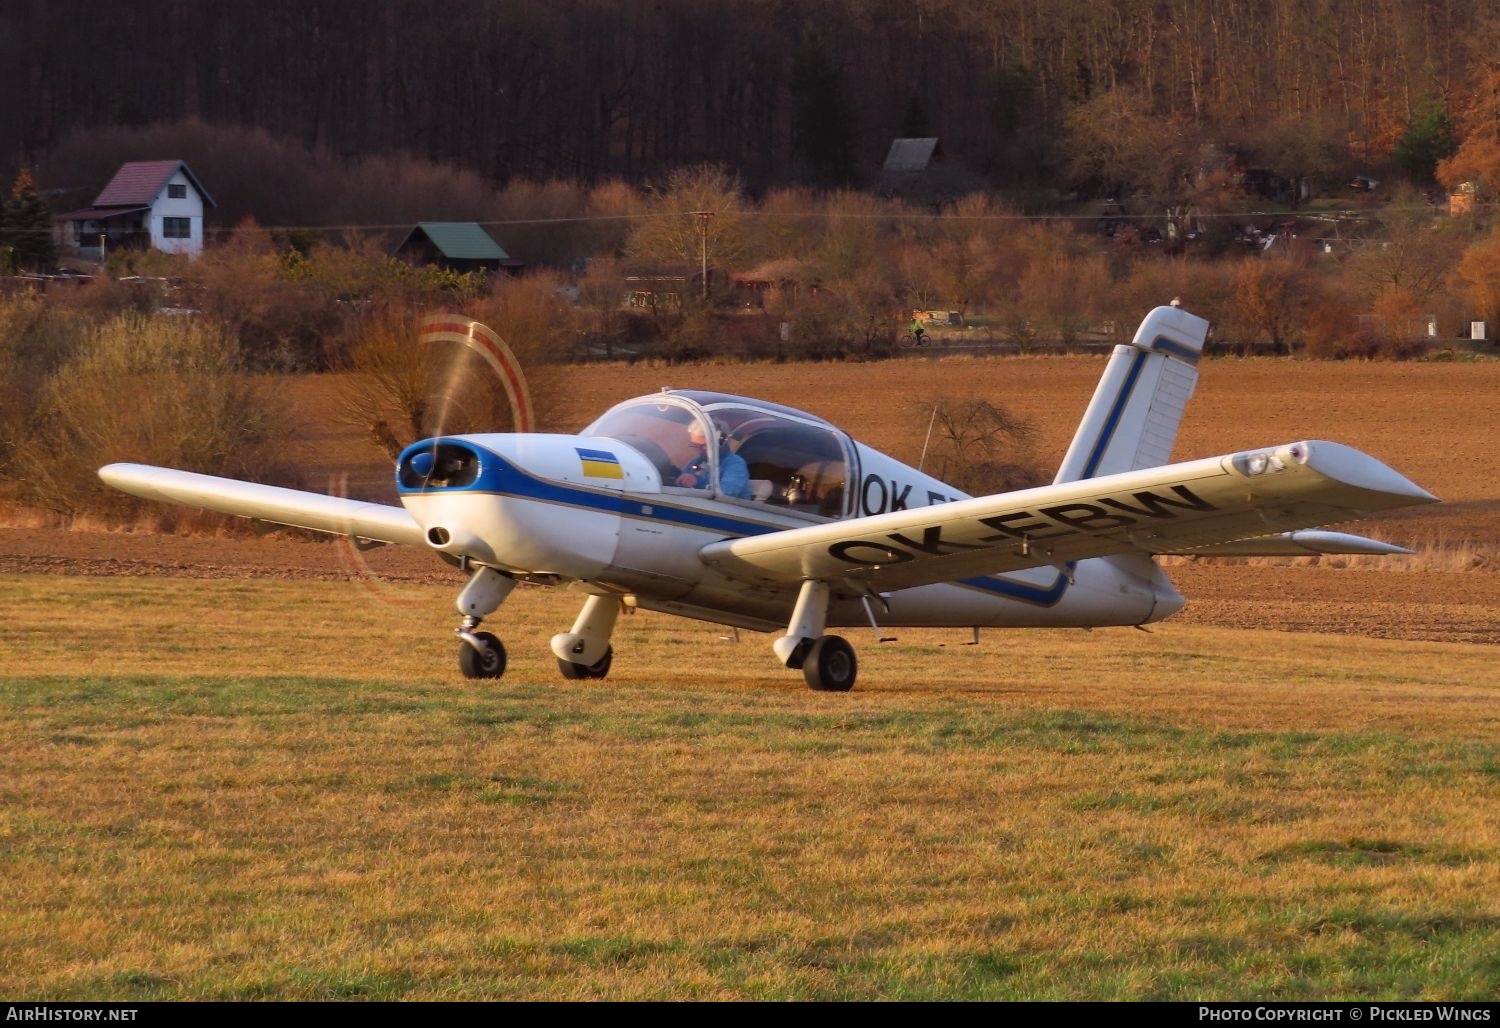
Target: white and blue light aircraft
[(819, 531)]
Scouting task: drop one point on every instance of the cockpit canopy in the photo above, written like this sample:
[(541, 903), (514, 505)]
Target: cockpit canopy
[(795, 460)]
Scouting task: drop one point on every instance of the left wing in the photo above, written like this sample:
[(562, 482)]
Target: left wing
[(1170, 509), (337, 514)]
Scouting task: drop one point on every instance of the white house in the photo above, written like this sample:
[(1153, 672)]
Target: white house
[(147, 203)]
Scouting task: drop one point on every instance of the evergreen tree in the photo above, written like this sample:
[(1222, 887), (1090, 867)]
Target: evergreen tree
[(823, 131), (914, 122), (28, 226), (1428, 139)]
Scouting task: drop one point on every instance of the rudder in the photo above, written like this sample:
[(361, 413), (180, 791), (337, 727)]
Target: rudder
[(1132, 421)]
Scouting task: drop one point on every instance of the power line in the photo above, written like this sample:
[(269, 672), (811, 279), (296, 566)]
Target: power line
[(1321, 214)]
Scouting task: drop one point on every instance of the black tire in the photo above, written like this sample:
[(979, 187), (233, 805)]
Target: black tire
[(830, 665), (579, 672), (489, 664)]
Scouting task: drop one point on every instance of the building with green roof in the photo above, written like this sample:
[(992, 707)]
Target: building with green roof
[(462, 246)]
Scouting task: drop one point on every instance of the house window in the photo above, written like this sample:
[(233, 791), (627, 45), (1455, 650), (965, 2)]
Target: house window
[(177, 228), (177, 190)]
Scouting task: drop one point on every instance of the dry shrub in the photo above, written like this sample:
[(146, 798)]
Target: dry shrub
[(17, 314), (390, 392), (251, 290), (1397, 324), (855, 316), (1268, 301), (602, 322), (672, 236), (153, 390), (404, 389), (978, 446), (540, 325), (1205, 290), (38, 335), (1434, 551), (531, 314), (1058, 295)]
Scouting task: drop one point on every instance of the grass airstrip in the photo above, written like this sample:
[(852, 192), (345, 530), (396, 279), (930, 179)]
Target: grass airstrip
[(283, 790)]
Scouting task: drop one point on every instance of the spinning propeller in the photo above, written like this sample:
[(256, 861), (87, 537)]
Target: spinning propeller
[(470, 380)]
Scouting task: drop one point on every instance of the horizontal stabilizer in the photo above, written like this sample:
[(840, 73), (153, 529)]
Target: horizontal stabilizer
[(1293, 544), (294, 507)]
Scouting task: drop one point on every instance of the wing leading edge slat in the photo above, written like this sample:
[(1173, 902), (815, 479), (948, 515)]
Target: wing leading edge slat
[(1161, 510)]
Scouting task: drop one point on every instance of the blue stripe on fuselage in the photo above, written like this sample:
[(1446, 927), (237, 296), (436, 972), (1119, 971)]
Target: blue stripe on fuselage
[(498, 477), (1045, 595)]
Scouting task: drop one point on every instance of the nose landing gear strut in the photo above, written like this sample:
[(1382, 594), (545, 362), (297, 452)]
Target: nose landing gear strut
[(481, 654)]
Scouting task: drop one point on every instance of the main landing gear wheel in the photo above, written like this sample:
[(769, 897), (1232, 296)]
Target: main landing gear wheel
[(487, 664), (578, 672), (830, 665)]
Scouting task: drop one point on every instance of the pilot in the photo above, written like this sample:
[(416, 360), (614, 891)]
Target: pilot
[(734, 473)]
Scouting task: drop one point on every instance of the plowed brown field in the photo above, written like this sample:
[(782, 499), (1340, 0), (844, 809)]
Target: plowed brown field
[(1438, 424)]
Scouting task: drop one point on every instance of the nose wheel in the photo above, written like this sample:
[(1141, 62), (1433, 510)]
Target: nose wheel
[(480, 654), (485, 660)]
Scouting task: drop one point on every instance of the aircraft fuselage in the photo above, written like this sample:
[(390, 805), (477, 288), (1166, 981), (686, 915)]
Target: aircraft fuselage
[(599, 512)]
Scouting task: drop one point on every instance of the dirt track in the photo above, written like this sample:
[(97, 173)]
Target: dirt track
[(1443, 607)]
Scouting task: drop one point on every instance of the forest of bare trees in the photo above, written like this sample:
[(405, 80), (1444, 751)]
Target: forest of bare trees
[(585, 133), (588, 89)]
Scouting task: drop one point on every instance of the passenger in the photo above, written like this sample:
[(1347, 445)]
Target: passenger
[(734, 473)]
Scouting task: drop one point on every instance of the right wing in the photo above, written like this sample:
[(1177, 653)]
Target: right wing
[(1193, 507), (376, 522)]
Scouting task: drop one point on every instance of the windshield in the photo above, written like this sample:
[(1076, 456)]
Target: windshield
[(763, 454), (657, 429)]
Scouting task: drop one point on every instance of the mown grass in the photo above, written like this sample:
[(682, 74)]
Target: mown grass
[(237, 790)]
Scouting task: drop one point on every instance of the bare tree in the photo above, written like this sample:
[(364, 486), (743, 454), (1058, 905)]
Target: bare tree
[(674, 233), (977, 445)]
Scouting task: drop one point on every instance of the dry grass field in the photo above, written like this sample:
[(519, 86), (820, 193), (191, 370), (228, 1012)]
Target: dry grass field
[(242, 768), (238, 789)]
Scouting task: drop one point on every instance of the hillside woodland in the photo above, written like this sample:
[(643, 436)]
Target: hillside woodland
[(1285, 169)]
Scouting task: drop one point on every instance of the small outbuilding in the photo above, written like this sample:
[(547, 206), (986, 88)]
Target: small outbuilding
[(917, 170), (461, 246)]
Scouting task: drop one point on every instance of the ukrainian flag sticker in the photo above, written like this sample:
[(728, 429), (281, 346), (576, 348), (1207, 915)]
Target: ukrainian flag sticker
[(600, 463)]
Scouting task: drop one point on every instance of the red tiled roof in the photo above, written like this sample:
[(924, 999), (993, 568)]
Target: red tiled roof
[(139, 182)]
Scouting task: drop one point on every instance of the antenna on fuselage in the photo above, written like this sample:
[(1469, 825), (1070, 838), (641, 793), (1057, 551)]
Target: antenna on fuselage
[(930, 422)]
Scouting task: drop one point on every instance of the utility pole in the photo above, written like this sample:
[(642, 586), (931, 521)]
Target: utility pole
[(703, 219)]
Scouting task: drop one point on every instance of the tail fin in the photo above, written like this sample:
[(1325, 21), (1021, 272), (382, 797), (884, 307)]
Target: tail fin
[(1132, 421)]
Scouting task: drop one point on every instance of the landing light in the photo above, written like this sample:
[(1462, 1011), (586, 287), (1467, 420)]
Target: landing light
[(1261, 463)]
